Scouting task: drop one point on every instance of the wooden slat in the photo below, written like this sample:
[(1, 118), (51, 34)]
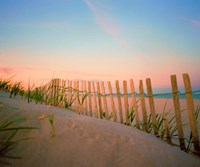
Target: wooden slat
[(81, 93), (56, 86), (134, 102), (80, 97), (99, 100), (77, 94), (75, 103), (86, 99), (177, 111), (104, 99), (119, 101), (49, 89), (112, 101), (95, 101), (63, 92), (152, 106), (58, 91), (70, 91), (66, 91), (126, 106), (143, 105), (52, 92), (191, 111), (73, 95), (90, 98)]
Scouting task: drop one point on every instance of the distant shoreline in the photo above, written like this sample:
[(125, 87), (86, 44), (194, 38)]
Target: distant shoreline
[(162, 95)]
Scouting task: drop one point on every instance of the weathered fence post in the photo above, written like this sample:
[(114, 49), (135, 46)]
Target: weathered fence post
[(104, 100), (95, 101), (134, 103), (58, 85), (49, 93), (177, 111), (99, 100), (126, 103), (89, 97), (53, 92), (152, 106), (86, 101), (81, 105), (144, 114), (70, 90), (74, 93), (191, 111), (77, 95), (66, 93), (56, 91), (80, 98), (119, 101), (63, 92), (112, 101)]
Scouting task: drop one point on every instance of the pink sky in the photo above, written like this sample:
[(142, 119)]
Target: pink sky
[(100, 41), (42, 76)]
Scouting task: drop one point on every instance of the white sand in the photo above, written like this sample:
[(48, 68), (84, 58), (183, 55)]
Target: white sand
[(83, 141)]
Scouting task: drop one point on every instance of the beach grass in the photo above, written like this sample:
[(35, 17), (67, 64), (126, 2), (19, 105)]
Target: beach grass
[(46, 94), (8, 131)]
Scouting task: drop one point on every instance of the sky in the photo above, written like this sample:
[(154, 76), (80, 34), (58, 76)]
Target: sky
[(100, 40)]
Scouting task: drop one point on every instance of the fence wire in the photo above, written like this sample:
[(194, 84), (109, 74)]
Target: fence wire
[(196, 93)]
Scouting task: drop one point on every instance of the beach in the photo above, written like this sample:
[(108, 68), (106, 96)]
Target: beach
[(82, 141)]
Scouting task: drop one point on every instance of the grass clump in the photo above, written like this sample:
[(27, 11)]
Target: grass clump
[(69, 100), (190, 138), (5, 85), (17, 89), (8, 131), (81, 101), (109, 116)]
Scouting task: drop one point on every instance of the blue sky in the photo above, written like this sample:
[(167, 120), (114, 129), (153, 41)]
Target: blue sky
[(100, 39)]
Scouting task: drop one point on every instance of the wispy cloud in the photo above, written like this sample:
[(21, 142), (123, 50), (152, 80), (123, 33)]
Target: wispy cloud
[(14, 70), (6, 70), (106, 22), (194, 22)]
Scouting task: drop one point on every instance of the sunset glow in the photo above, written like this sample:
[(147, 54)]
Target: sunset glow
[(100, 40)]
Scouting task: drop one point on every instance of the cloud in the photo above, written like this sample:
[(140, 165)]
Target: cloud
[(106, 23), (194, 22), (15, 70), (47, 74), (6, 70)]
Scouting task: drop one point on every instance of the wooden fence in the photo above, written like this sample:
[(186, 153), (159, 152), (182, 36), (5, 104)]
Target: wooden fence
[(90, 98)]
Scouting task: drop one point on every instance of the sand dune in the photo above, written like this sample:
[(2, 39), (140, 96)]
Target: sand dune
[(82, 141)]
